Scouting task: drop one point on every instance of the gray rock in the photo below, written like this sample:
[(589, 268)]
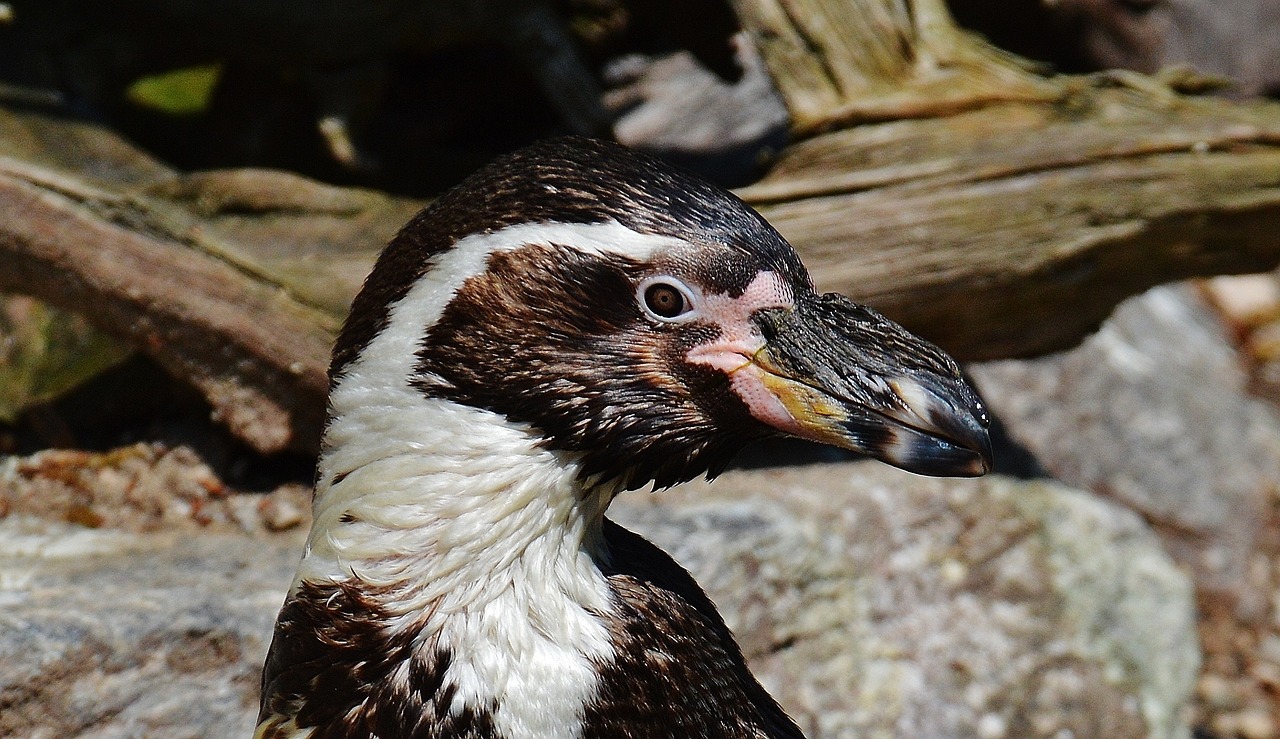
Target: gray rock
[(674, 106), (1154, 413), (871, 602), (1235, 39), (111, 634), (876, 603)]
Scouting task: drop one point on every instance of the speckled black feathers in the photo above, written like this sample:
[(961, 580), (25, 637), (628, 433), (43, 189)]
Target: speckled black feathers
[(331, 667), (677, 671)]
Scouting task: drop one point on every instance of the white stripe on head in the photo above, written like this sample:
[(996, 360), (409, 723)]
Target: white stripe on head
[(388, 358)]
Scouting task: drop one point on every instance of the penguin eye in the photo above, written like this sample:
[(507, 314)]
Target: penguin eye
[(666, 299)]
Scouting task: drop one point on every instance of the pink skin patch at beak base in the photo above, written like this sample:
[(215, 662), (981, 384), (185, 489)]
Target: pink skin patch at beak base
[(740, 341)]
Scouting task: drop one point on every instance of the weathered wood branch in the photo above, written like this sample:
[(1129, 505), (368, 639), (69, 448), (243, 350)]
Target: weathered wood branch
[(995, 210), (258, 358), (1015, 229), (837, 62), (234, 281)]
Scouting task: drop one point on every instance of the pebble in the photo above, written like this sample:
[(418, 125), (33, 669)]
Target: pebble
[(1266, 673), (1264, 343), (992, 726), (1217, 691), (1245, 299), (280, 512), (1270, 647), (1255, 723)]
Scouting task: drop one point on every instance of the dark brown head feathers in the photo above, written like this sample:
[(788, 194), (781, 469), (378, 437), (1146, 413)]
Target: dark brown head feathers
[(554, 338), (565, 180)]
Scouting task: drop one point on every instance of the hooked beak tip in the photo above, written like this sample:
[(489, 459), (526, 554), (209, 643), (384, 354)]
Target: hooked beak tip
[(925, 454), (938, 433)]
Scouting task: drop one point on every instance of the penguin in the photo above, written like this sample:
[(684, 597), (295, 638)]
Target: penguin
[(573, 321)]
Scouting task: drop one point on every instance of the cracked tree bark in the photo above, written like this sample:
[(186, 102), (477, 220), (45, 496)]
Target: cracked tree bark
[(994, 210)]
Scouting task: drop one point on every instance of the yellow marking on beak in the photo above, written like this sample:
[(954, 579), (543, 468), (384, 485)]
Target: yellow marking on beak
[(748, 361), (810, 408)]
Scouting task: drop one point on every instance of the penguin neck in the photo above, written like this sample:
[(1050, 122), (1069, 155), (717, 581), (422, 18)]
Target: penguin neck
[(443, 505), (476, 544), (438, 502)]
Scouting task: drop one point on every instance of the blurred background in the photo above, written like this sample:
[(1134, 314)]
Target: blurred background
[(1080, 199)]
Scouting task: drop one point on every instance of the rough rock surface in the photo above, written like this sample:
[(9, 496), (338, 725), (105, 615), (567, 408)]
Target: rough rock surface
[(674, 106), (1154, 412), (105, 633), (873, 603)]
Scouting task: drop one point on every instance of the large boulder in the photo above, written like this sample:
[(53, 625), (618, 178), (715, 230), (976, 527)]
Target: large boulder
[(1154, 412), (111, 634)]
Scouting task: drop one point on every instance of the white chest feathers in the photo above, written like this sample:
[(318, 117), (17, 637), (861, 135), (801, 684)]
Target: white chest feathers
[(478, 541)]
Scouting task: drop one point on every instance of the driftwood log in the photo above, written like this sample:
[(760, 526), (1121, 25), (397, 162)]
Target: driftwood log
[(235, 281), (995, 210)]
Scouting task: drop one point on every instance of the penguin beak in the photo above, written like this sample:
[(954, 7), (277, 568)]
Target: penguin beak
[(841, 373)]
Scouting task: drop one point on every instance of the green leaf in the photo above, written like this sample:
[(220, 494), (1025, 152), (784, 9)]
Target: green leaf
[(179, 92)]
